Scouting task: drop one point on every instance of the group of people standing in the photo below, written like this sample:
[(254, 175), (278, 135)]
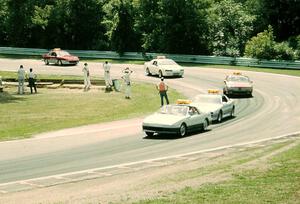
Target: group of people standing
[(108, 82), (21, 80), (161, 87)]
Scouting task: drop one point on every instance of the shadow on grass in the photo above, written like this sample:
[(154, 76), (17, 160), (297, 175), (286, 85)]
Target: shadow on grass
[(6, 97), (173, 136)]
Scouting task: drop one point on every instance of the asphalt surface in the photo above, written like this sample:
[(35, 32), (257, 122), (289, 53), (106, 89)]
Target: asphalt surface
[(273, 110)]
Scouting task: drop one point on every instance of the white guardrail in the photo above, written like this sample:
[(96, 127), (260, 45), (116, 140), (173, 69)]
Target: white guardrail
[(199, 59)]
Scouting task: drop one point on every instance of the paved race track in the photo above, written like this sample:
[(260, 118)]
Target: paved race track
[(273, 111)]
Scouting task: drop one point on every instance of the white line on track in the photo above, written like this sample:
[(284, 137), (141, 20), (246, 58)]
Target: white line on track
[(151, 160)]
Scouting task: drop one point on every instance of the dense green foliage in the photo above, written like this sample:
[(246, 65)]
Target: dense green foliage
[(263, 46), (212, 27)]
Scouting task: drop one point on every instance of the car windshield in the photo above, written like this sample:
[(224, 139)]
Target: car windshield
[(166, 62), (62, 53), (238, 79), (208, 99), (174, 110)]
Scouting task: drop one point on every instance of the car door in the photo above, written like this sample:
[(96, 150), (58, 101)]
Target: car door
[(52, 57), (154, 67), (195, 119), (227, 105)]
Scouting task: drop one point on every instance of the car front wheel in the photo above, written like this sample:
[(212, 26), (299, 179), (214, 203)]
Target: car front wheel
[(160, 75)]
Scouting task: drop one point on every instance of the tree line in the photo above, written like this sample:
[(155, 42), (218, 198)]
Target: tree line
[(207, 27)]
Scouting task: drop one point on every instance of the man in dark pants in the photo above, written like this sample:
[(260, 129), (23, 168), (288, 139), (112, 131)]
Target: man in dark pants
[(163, 88), (31, 80)]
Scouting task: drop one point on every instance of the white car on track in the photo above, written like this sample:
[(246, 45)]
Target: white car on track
[(217, 104), (176, 119), (163, 67)]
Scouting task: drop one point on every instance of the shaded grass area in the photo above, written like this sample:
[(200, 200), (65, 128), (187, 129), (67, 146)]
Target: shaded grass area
[(277, 182), (25, 115)]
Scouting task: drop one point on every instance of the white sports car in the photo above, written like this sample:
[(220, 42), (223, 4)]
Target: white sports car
[(218, 105), (163, 67), (176, 119)]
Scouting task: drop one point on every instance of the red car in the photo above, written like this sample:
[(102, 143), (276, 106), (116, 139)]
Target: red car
[(60, 57)]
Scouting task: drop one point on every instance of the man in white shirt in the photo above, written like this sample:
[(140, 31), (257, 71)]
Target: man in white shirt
[(21, 79), (86, 77), (126, 77), (108, 82)]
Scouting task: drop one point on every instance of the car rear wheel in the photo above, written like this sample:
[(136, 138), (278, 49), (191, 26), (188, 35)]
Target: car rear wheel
[(205, 125), (220, 117), (47, 62), (147, 72), (182, 130), (232, 112), (149, 134)]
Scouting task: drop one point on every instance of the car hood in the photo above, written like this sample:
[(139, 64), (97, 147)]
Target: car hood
[(238, 84), (163, 119)]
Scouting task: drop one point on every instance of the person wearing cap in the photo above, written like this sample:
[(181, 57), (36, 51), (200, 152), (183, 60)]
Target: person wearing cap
[(31, 80), (86, 77), (126, 77), (163, 88), (21, 80), (108, 82)]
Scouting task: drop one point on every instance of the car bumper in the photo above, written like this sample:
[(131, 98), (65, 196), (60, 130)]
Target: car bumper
[(162, 130), (70, 62), (239, 91), (173, 73)]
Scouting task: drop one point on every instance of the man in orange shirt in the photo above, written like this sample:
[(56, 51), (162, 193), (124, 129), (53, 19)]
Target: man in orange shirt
[(163, 88)]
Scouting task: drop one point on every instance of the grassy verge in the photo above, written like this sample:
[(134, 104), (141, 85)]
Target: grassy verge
[(25, 115), (277, 180)]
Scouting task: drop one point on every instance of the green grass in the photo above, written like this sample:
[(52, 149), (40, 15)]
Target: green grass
[(25, 115), (280, 183)]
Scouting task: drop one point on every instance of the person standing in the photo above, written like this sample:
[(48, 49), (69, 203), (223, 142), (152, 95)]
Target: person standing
[(108, 82), (163, 88), (86, 77), (126, 77), (31, 80), (21, 79)]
